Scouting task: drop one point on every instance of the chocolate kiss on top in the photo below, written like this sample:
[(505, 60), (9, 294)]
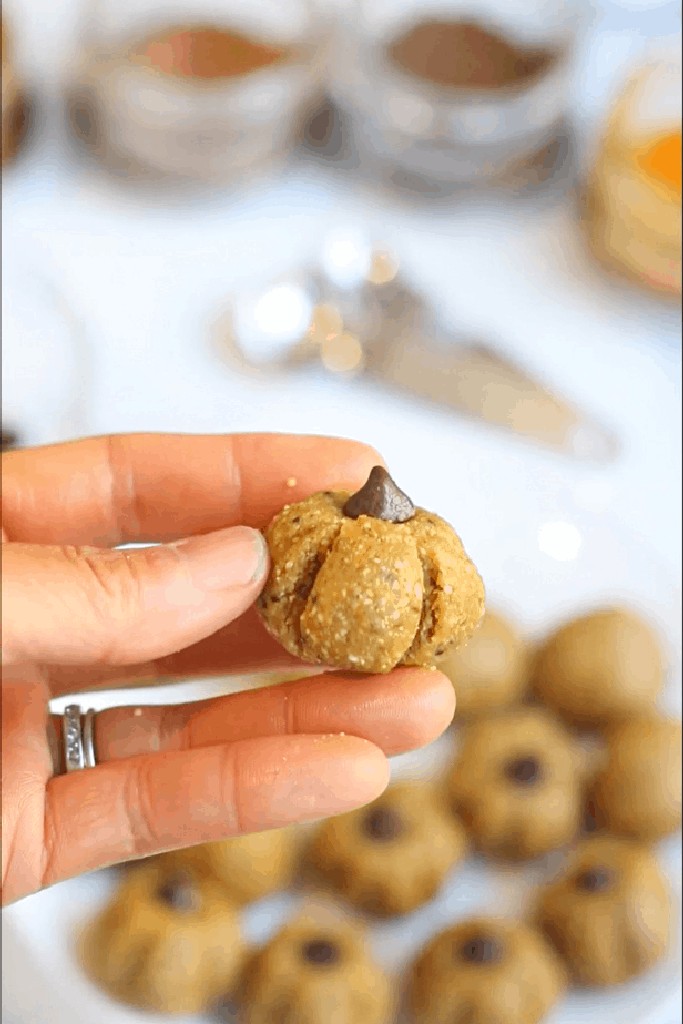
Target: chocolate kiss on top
[(383, 824), (596, 879), (523, 771), (380, 498), (321, 952)]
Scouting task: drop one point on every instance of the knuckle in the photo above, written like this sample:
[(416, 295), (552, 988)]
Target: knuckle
[(50, 859), (115, 583), (22, 847), (115, 579), (175, 727), (111, 589), (124, 502), (138, 807), (234, 784), (105, 573), (153, 561), (290, 714)]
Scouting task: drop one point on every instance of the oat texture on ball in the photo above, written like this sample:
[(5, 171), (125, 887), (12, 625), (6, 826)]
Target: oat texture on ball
[(367, 581)]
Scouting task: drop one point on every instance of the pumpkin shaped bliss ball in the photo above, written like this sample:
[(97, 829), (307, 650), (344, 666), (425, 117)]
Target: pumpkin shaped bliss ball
[(367, 581)]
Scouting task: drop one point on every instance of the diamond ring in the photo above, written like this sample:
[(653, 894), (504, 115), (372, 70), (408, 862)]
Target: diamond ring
[(79, 738)]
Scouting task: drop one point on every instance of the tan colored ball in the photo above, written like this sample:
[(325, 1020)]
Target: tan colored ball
[(317, 970), (608, 914), (367, 581), (486, 970), (638, 792), (393, 855), (517, 784), (167, 941), (248, 867), (601, 667)]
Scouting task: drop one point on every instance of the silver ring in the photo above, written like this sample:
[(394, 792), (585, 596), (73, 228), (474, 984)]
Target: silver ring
[(89, 738), (79, 739)]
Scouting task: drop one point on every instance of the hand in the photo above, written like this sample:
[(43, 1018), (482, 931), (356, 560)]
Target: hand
[(77, 613)]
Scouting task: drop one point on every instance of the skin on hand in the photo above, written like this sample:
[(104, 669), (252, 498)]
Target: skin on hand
[(79, 614)]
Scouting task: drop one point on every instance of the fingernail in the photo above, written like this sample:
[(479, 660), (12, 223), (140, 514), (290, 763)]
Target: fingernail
[(227, 559)]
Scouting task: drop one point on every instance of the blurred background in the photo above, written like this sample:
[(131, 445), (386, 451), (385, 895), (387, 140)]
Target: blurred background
[(359, 217), (451, 228)]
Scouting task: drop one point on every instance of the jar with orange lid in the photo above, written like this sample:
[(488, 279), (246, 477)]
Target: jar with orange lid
[(633, 198)]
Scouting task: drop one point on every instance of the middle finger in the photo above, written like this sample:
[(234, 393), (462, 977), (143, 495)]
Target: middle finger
[(401, 711)]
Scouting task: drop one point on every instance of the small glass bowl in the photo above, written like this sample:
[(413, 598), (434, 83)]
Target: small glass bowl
[(143, 111), (454, 135)]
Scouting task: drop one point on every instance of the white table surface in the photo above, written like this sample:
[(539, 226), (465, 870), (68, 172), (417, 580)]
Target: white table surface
[(146, 282)]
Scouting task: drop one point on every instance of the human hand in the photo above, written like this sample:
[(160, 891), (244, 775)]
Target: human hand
[(78, 614)]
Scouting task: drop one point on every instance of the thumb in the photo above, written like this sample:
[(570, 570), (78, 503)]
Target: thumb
[(84, 605)]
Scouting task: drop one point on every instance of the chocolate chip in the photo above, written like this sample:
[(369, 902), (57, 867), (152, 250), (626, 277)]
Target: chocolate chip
[(82, 113), (324, 130), (179, 893), (597, 879), (525, 771), (382, 824), (481, 950), (380, 498), (224, 1010), (320, 952), (295, 520)]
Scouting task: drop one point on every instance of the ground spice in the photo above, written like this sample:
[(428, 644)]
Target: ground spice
[(661, 160), (465, 55), (207, 53)]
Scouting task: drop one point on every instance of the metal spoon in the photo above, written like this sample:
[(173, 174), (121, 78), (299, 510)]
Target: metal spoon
[(354, 313)]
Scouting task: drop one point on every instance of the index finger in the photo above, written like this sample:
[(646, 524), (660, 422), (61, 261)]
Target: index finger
[(125, 488)]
